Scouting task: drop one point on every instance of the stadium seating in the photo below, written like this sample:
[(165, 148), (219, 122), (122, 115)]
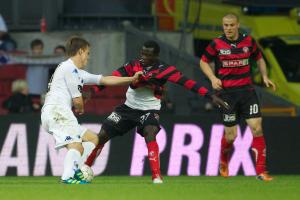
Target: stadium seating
[(103, 102), (9, 73), (12, 72)]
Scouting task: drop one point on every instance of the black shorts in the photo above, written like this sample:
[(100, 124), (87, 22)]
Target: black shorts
[(124, 118), (243, 104)]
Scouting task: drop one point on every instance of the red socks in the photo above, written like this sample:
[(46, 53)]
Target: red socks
[(259, 149), (95, 153), (153, 156), (225, 150)]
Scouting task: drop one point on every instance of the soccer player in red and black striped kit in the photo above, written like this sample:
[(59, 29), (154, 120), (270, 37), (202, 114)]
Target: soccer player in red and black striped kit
[(142, 105), (231, 53)]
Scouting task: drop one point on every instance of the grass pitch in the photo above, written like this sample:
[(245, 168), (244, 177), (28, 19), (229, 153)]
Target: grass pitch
[(141, 188)]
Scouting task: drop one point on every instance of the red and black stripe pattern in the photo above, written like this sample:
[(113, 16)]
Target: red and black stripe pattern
[(156, 76), (232, 59)]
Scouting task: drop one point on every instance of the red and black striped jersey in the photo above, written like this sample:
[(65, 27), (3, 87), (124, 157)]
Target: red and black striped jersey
[(157, 75), (232, 60), (146, 94)]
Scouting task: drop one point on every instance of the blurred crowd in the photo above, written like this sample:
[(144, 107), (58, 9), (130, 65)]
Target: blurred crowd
[(27, 95)]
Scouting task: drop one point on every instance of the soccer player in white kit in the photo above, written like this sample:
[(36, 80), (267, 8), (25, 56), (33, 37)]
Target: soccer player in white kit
[(65, 92)]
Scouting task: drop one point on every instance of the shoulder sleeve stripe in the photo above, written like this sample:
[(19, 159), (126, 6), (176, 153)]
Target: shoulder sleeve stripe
[(189, 84), (116, 73), (174, 77), (165, 72), (211, 50)]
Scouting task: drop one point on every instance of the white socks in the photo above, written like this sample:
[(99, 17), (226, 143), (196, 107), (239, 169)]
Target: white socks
[(71, 162), (88, 148)]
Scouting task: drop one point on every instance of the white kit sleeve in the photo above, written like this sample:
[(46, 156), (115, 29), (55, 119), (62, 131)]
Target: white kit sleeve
[(74, 87), (91, 78)]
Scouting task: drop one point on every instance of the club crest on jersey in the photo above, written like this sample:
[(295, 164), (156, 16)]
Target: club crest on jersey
[(148, 68), (225, 52), (245, 49)]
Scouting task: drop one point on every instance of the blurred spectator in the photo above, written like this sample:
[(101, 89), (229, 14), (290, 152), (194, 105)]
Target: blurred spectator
[(37, 74), (20, 101), (6, 42), (60, 50)]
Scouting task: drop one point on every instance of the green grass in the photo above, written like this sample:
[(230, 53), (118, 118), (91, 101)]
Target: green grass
[(141, 188)]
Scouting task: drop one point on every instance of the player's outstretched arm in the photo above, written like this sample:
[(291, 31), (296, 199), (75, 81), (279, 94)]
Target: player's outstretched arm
[(173, 75), (115, 80)]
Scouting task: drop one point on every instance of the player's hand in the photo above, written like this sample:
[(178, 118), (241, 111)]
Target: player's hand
[(269, 83), (86, 95), (79, 111), (216, 84), (219, 102), (137, 76)]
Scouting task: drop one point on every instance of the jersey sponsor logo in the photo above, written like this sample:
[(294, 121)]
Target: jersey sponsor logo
[(115, 117), (235, 63), (229, 117), (224, 52)]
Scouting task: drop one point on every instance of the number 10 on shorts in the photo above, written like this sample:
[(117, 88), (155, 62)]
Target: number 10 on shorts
[(253, 109)]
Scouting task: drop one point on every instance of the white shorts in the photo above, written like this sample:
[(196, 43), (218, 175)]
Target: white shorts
[(62, 124)]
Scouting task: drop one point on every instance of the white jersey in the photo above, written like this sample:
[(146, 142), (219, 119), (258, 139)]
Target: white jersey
[(66, 84), (142, 99)]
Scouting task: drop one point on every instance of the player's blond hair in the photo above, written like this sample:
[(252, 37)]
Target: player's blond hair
[(19, 85), (232, 16)]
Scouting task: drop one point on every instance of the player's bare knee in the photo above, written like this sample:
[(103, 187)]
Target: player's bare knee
[(230, 137), (80, 149), (150, 133), (230, 134), (257, 131), (95, 140), (77, 146)]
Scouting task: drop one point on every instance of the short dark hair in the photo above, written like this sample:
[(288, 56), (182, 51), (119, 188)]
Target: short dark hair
[(36, 42), (152, 44), (75, 43), (60, 47)]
